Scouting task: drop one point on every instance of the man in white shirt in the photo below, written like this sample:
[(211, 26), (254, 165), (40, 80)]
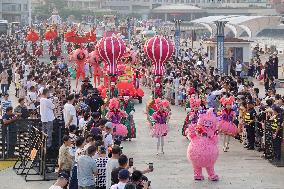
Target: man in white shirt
[(123, 177), (31, 99), (69, 112), (47, 115)]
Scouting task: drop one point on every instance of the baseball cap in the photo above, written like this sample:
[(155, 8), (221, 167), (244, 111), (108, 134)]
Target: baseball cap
[(123, 174), (108, 125)]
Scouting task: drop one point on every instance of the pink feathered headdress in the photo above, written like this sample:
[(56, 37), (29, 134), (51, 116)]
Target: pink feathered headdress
[(208, 119), (194, 102), (227, 101), (165, 103), (113, 103)]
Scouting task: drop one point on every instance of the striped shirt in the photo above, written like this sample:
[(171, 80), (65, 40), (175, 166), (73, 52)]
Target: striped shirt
[(5, 104)]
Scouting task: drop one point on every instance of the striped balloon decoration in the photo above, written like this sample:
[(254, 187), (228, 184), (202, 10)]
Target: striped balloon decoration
[(159, 50), (110, 50)]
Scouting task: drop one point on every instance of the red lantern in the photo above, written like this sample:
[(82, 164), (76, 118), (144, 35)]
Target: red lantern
[(159, 50), (111, 49), (32, 36)]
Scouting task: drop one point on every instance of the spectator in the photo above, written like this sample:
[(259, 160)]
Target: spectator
[(64, 157), (21, 109), (123, 177), (9, 130), (123, 164), (47, 115), (87, 169), (5, 103), (101, 163), (108, 140), (69, 112), (4, 81), (112, 164), (239, 68), (32, 102)]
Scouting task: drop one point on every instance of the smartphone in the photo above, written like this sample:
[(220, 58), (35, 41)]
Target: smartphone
[(151, 166), (130, 162), (149, 183)]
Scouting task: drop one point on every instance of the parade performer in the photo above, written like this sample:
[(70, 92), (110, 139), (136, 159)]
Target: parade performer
[(160, 128), (39, 51), (94, 61), (50, 49), (150, 110), (115, 115), (203, 150), (69, 48), (158, 91), (112, 92), (80, 55), (192, 115), (128, 106), (227, 125)]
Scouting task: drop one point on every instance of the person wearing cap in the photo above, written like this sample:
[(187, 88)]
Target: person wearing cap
[(95, 101), (87, 169), (277, 131), (107, 136), (128, 107), (61, 182), (123, 176), (250, 117)]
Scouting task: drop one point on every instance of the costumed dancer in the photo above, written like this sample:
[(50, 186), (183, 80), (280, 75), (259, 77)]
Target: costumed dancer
[(50, 49), (158, 91), (203, 147), (115, 115), (80, 55), (150, 110), (112, 92), (193, 114), (69, 48), (160, 128), (227, 125), (128, 107)]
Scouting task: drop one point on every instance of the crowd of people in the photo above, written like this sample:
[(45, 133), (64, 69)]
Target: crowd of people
[(91, 154)]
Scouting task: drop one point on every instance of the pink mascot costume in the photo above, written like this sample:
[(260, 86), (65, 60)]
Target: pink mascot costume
[(160, 128), (203, 150), (227, 125), (94, 61), (80, 56), (115, 115)]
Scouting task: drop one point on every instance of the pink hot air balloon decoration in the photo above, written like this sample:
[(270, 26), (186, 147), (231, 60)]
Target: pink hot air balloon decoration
[(111, 49), (159, 50)]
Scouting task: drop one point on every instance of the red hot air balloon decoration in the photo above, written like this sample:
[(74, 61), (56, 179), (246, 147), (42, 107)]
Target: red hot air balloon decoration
[(159, 50), (111, 49)]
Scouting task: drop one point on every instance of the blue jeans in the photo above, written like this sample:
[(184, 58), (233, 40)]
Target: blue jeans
[(4, 88)]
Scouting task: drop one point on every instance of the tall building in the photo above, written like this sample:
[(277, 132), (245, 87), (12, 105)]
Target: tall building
[(84, 4), (14, 10)]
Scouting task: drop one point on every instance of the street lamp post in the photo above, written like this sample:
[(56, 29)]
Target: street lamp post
[(220, 45), (30, 12)]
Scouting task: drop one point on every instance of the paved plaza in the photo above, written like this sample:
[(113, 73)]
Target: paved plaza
[(237, 168)]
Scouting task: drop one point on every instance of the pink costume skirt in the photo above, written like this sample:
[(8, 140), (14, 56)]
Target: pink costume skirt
[(228, 128), (121, 130), (159, 130)]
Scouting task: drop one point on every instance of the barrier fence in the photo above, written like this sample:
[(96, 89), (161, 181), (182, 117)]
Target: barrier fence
[(26, 144)]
